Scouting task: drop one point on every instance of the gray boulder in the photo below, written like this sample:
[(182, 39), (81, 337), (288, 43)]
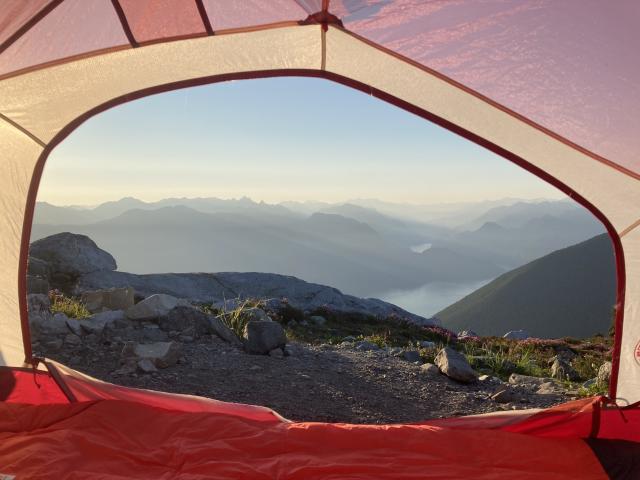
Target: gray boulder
[(467, 334), (186, 319), (505, 395), (517, 335), (455, 366), (366, 346), (72, 254), (161, 354), (108, 299), (74, 326), (152, 307), (95, 324), (38, 268), (604, 374), (262, 336)]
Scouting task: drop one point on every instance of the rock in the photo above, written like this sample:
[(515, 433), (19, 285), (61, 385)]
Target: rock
[(45, 325), (152, 333), (219, 328), (562, 370), (161, 354), (74, 326), (590, 383), (489, 380), (37, 285), (96, 323), (215, 288), (517, 335), (366, 346), (349, 339), (318, 320), (262, 336), (517, 379), (467, 334), (276, 353), (395, 351), (426, 344), (505, 395), (146, 366), (152, 307), (53, 345), (455, 366), (186, 318), (604, 374), (108, 299), (548, 388), (38, 268), (72, 254), (72, 340), (429, 369), (412, 356)]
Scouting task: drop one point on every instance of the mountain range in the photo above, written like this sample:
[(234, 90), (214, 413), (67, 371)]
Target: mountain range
[(362, 247)]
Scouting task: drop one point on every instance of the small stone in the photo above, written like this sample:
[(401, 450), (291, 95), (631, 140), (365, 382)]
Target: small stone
[(146, 366), (276, 353), (517, 379), (255, 368), (455, 366), (505, 395), (350, 339), (162, 354), (412, 356), (547, 388), (467, 334), (366, 346), (426, 344), (430, 369), (517, 335)]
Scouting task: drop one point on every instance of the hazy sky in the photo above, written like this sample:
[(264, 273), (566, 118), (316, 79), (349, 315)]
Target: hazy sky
[(274, 140)]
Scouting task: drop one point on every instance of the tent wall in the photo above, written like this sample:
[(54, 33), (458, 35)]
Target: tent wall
[(50, 102)]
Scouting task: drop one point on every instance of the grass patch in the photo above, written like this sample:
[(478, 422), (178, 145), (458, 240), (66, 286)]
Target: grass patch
[(237, 318), (71, 307)]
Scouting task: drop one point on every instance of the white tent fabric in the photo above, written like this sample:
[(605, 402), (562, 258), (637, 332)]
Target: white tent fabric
[(39, 107)]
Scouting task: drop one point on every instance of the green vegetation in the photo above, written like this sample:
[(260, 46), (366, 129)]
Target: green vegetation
[(568, 292), (71, 307)]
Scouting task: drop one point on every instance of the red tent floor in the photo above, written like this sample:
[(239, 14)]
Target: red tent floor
[(136, 434)]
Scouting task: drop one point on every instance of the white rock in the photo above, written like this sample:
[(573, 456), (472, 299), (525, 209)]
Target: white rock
[(152, 307), (162, 354), (517, 335)]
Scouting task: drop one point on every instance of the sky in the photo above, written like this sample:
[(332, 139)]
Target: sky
[(275, 140)]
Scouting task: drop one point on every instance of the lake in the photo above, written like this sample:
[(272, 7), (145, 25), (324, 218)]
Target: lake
[(429, 299)]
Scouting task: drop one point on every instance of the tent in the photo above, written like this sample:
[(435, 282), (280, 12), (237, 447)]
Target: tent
[(553, 86)]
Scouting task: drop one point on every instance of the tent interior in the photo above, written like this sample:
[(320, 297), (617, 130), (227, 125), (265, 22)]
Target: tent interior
[(550, 86)]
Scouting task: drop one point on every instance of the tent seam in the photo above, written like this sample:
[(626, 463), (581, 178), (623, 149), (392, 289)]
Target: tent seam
[(19, 127), (20, 32), (124, 23), (630, 228), (205, 17)]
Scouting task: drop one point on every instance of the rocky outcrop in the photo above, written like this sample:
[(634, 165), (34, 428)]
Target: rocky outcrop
[(604, 374), (218, 288), (72, 254), (455, 366)]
